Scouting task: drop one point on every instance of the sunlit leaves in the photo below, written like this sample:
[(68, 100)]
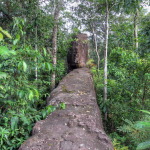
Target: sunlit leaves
[(44, 51), (143, 146), (4, 51), (47, 66), (138, 131), (19, 24), (142, 125), (5, 32), (145, 111), (28, 94), (17, 39), (44, 113), (50, 109), (31, 95), (3, 135), (1, 36), (3, 75), (20, 93), (24, 119), (22, 66), (116, 143), (36, 93)]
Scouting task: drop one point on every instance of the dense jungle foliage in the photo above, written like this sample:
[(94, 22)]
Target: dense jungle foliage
[(118, 28)]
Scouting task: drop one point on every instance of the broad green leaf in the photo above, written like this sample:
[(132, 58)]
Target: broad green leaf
[(142, 125), (3, 75), (24, 66), (14, 122), (44, 114), (25, 120), (1, 87), (21, 93), (145, 111), (31, 95), (147, 75), (5, 32), (3, 134), (18, 36), (1, 36), (36, 93), (12, 52), (48, 66), (15, 41), (45, 52), (37, 117), (20, 65), (4, 51), (143, 145)]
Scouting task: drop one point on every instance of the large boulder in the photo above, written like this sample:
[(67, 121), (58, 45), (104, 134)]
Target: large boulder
[(78, 52), (79, 126)]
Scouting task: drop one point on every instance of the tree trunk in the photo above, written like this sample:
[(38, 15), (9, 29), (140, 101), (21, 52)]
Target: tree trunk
[(54, 45), (36, 48), (136, 29), (96, 48), (105, 55), (36, 42)]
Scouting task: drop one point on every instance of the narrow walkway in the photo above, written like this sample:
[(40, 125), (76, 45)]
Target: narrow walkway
[(79, 126)]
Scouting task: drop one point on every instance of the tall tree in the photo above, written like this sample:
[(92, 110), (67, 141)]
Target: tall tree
[(36, 39), (134, 7), (96, 46), (54, 41), (105, 54), (136, 29)]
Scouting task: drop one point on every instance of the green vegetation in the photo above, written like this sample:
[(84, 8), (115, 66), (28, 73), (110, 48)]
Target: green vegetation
[(127, 93), (139, 131), (34, 34)]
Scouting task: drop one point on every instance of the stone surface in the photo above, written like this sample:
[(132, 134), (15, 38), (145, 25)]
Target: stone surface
[(78, 53), (79, 126)]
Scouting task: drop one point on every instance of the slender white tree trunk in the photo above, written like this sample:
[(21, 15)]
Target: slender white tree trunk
[(54, 45), (105, 55), (136, 29), (96, 48), (36, 47)]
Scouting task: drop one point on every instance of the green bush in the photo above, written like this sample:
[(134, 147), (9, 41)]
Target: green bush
[(22, 95)]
